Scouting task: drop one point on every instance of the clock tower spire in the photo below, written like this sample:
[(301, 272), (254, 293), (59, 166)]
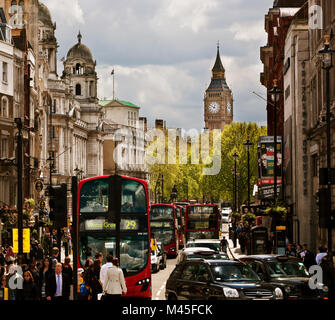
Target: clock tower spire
[(218, 101)]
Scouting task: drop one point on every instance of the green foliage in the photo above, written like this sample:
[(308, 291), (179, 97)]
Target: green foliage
[(236, 216), (233, 138), (276, 210), (217, 187), (249, 217)]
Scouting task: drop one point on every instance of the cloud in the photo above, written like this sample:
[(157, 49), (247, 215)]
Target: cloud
[(163, 52), (65, 12), (248, 31)]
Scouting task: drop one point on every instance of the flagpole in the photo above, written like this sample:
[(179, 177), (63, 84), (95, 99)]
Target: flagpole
[(113, 84)]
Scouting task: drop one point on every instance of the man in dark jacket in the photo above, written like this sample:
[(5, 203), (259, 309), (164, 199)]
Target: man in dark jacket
[(58, 285), (308, 257), (40, 253)]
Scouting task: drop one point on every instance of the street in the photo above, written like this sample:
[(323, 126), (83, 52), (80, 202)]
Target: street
[(159, 279)]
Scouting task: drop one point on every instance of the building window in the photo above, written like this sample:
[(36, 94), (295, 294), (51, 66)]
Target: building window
[(4, 148), (4, 107), (52, 132), (21, 4), (78, 69), (78, 89), (4, 72), (53, 106), (315, 165)]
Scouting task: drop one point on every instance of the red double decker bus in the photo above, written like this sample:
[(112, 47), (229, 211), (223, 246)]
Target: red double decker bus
[(113, 217), (181, 225), (202, 221), (164, 226)]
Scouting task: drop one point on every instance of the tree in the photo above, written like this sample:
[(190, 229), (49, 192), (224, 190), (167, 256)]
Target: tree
[(232, 140), (213, 188)]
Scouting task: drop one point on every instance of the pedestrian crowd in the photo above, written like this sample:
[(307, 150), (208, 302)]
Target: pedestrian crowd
[(242, 233), (42, 278), (46, 278), (106, 281)]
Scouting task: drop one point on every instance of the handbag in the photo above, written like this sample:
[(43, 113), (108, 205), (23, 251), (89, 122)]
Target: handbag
[(83, 290)]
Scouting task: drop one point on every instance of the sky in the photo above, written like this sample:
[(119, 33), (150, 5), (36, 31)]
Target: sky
[(163, 51)]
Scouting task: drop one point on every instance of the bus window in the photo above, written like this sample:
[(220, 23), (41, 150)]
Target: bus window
[(161, 212), (134, 250), (94, 196), (133, 197)]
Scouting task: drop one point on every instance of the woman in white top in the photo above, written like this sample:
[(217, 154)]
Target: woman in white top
[(114, 283)]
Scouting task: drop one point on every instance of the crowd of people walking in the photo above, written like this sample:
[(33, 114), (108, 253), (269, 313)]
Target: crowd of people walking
[(46, 278)]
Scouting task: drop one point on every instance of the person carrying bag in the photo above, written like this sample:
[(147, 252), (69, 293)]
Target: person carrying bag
[(114, 284)]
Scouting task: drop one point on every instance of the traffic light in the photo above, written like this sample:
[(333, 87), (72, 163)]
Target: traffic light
[(322, 202), (58, 205)]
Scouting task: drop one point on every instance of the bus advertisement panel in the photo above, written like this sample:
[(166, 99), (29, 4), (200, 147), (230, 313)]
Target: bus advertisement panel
[(266, 167)]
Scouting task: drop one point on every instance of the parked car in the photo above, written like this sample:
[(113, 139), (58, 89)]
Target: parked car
[(226, 215), (207, 243), (288, 273), (202, 279), (155, 261), (163, 253), (198, 252)]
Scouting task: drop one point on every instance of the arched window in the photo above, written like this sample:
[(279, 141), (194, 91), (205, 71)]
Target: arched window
[(91, 93), (78, 89), (78, 68), (4, 107)]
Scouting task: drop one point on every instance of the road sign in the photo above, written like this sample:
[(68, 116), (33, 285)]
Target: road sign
[(15, 240), (39, 186), (26, 240)]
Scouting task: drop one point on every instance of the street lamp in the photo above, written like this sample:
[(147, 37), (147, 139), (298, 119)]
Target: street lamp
[(174, 193), (248, 144), (327, 64), (275, 95), (235, 156)]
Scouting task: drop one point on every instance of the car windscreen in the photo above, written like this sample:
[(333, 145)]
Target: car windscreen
[(207, 256), (233, 272), (213, 246), (286, 269)]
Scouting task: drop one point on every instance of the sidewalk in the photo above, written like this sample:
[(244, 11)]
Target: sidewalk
[(235, 251)]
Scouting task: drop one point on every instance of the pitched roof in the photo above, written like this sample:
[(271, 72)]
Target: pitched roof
[(218, 64), (104, 103)]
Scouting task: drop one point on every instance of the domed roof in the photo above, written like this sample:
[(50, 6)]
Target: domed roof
[(79, 50), (44, 15)]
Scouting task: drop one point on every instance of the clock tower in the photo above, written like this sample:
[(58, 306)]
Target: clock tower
[(218, 100)]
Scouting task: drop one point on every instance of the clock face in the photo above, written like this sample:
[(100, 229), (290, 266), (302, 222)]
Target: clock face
[(229, 107), (214, 107)]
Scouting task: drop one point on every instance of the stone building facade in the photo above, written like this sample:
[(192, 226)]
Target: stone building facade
[(277, 22), (124, 140), (297, 116), (62, 133)]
